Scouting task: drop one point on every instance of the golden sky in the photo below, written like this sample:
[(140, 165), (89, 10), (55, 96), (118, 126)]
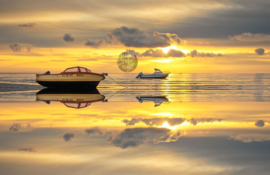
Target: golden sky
[(200, 36)]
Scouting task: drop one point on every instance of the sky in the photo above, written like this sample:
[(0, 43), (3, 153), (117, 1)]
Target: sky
[(180, 36)]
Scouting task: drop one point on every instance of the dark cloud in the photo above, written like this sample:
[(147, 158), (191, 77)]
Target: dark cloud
[(195, 121), (15, 47), (247, 138), (27, 25), (15, 127), (175, 53), (195, 53), (133, 52), (18, 48), (259, 51), (259, 123), (133, 37), (251, 37), (68, 136), (95, 131), (154, 53), (170, 121), (171, 53), (95, 43), (18, 126), (27, 149), (68, 38), (136, 136)]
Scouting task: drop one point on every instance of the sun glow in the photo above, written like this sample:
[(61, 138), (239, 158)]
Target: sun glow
[(166, 49), (166, 125), (164, 60)]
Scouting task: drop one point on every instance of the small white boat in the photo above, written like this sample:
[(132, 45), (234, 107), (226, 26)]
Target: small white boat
[(157, 74), (158, 100), (74, 77)]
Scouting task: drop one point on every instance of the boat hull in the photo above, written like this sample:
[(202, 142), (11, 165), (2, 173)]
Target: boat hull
[(154, 77), (69, 84), (71, 80)]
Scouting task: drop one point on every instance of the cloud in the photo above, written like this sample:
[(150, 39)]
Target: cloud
[(68, 38), (175, 53), (195, 53), (251, 37), (18, 48), (18, 126), (15, 127), (195, 121), (27, 150), (154, 53), (136, 136), (15, 47), (170, 121), (133, 37), (171, 53), (95, 43), (95, 131), (27, 25), (157, 53), (247, 138), (68, 136), (259, 123), (259, 51)]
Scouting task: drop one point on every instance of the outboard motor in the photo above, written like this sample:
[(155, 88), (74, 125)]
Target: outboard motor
[(47, 73), (139, 75)]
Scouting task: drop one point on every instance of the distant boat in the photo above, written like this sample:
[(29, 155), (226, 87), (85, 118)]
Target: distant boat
[(157, 74), (72, 98), (158, 100), (73, 77)]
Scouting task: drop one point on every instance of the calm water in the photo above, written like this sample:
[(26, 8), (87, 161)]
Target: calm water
[(186, 124)]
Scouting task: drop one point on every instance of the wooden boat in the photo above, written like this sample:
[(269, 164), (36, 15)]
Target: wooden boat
[(157, 75), (73, 77), (158, 100), (72, 98)]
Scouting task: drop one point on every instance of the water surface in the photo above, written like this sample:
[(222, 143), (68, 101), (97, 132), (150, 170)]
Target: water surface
[(186, 124)]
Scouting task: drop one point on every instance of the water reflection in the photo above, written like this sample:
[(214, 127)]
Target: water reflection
[(158, 100), (212, 131), (72, 98)]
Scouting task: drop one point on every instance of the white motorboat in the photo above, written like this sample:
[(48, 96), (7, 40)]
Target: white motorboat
[(74, 77), (158, 100), (157, 74)]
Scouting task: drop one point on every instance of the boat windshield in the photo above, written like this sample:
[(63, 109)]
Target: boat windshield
[(77, 105), (83, 70), (77, 69), (157, 70), (74, 69)]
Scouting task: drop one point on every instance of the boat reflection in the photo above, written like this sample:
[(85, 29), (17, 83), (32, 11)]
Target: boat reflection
[(72, 98), (158, 100)]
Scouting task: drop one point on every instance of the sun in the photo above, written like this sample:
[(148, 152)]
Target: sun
[(166, 49)]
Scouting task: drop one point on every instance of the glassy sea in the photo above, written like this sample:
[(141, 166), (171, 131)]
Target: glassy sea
[(207, 124), (180, 87)]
